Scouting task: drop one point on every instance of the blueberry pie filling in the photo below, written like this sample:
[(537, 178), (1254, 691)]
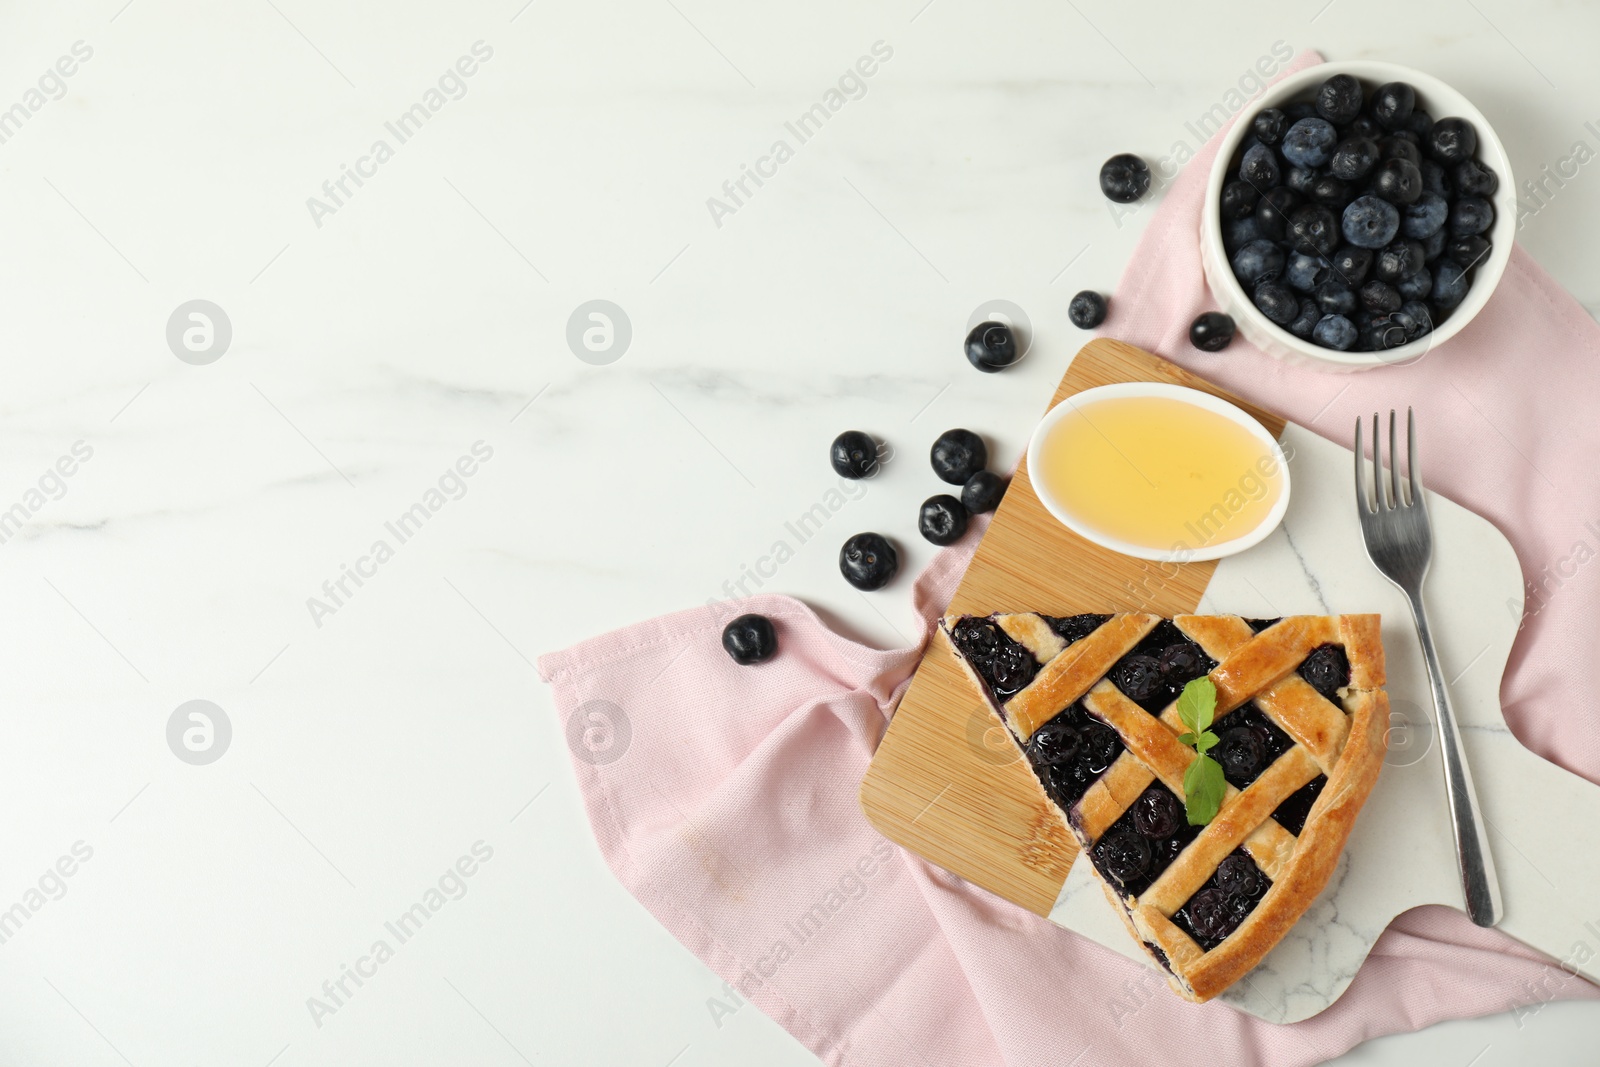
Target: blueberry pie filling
[(1224, 902), (1003, 664), (1154, 671), (1070, 752), (1248, 742), (1291, 814), (1144, 841), (1091, 701)]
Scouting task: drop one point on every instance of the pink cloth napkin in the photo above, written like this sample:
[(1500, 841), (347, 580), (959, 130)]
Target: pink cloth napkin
[(724, 797)]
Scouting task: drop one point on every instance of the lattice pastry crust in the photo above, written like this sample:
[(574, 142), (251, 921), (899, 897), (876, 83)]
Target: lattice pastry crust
[(1302, 716)]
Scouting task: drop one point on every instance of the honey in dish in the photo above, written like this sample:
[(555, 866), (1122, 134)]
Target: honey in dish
[(1159, 473)]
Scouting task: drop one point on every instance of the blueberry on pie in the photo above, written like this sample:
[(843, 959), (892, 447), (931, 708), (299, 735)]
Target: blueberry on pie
[(1299, 723)]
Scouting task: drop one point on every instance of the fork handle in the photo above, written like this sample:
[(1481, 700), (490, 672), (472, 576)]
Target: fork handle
[(1479, 883)]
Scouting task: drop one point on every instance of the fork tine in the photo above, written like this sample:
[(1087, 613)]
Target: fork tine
[(1398, 500), (1362, 508), (1380, 496), (1411, 456)]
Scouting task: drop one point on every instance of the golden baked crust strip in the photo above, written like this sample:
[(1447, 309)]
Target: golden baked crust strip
[(1071, 674)]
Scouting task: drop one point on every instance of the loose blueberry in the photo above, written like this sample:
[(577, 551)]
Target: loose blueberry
[(1365, 126), (1399, 181), (1273, 211), (1416, 317), (1449, 283), (1468, 251), (853, 455), (1399, 146), (1380, 298), (750, 639), (1309, 142), (1260, 168), (1370, 222), (1397, 260), (1124, 178), (1339, 99), (1304, 272), (1277, 302), (1437, 180), (1353, 159), (1475, 179), (943, 519), (1425, 217), (1433, 244), (1211, 331), (1313, 228), (957, 455), (1240, 232), (1335, 331), (1257, 260), (1306, 321), (1238, 199), (983, 492), (1087, 310), (1452, 141), (1269, 125), (1415, 286), (1351, 264), (1392, 104), (1300, 179), (991, 347), (868, 561), (1469, 216), (1336, 298), (1332, 192)]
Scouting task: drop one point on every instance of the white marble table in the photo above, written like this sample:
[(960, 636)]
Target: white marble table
[(377, 736)]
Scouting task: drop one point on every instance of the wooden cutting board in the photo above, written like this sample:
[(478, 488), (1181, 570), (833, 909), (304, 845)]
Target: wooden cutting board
[(947, 782)]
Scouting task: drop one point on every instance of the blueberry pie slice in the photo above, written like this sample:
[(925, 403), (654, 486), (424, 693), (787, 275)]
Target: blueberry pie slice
[(1300, 720)]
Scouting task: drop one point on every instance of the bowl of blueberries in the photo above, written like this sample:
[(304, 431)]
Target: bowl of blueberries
[(1361, 214)]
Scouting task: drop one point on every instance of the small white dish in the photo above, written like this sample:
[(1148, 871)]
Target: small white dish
[(1179, 553), (1434, 97)]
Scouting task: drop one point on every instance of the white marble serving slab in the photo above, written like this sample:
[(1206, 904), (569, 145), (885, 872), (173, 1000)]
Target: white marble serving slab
[(1401, 853)]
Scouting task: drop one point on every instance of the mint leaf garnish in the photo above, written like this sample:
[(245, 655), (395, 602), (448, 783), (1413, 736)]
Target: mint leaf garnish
[(1203, 783)]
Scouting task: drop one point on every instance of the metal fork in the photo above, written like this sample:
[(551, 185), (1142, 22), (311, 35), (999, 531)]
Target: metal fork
[(1400, 543)]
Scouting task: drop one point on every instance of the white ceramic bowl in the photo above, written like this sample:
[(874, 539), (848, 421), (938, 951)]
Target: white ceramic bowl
[(1084, 529), (1440, 101)]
